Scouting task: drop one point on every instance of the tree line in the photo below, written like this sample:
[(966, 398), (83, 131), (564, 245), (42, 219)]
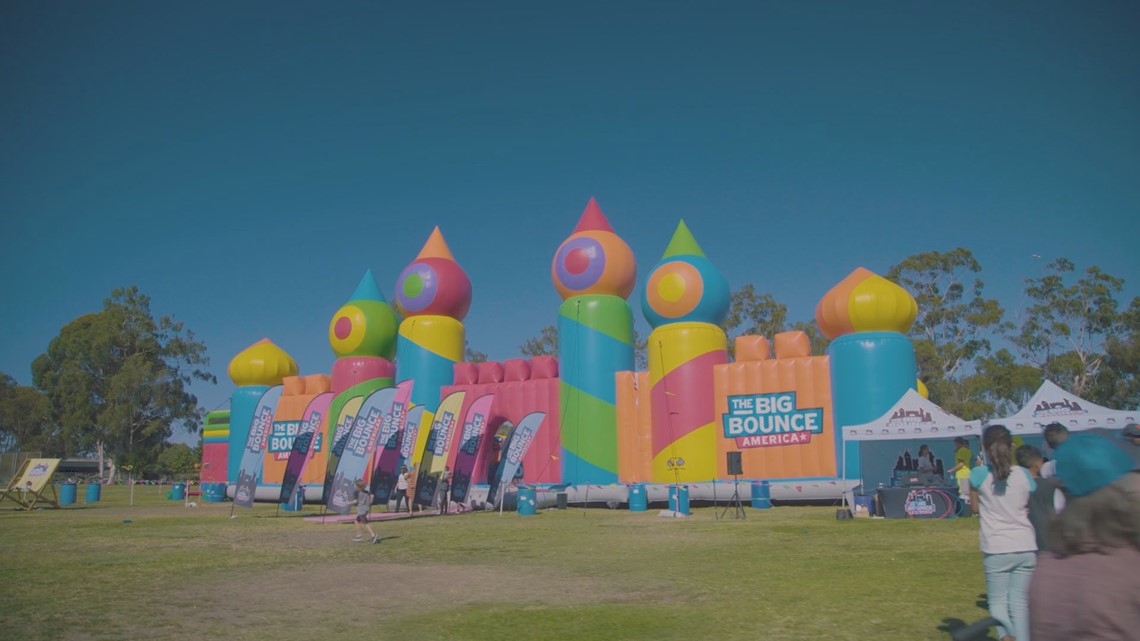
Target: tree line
[(114, 384)]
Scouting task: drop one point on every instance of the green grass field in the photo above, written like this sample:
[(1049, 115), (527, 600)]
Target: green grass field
[(172, 572)]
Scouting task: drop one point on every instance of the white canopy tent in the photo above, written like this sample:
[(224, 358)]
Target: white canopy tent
[(912, 418), (1051, 404)]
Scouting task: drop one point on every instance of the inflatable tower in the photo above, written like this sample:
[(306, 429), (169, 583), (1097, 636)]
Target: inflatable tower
[(872, 362), (362, 334), (433, 294), (253, 371), (594, 272), (685, 301)]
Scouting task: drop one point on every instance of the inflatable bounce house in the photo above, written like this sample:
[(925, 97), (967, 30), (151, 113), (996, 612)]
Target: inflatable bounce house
[(585, 422)]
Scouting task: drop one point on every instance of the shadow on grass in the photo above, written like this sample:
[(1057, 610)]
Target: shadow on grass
[(959, 630), (979, 630)]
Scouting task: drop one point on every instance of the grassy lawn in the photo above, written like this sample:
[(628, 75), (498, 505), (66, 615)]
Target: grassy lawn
[(158, 570)]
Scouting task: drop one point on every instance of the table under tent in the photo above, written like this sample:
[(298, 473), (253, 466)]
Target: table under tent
[(888, 446)]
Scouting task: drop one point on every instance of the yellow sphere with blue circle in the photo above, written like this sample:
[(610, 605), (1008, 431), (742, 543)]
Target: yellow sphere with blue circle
[(685, 286)]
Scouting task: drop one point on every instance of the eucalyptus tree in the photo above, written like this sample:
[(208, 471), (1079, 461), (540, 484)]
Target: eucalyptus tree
[(118, 380)]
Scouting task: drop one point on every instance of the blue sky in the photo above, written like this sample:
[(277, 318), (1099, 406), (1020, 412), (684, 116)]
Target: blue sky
[(245, 163)]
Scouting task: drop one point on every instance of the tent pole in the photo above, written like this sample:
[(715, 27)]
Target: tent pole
[(844, 467)]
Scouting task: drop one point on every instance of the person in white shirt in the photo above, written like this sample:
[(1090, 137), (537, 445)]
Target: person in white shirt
[(402, 489), (1000, 492)]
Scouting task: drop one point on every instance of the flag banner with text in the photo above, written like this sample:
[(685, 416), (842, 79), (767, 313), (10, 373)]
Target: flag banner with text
[(438, 444), (388, 442), (302, 449), (251, 456), (388, 464), (471, 438), (358, 448), (339, 434), (514, 450)]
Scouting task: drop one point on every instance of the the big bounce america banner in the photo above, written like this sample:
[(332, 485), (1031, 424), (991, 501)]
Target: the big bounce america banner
[(764, 420)]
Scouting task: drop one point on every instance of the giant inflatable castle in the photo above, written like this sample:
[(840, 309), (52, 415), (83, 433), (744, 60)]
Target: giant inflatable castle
[(399, 394)]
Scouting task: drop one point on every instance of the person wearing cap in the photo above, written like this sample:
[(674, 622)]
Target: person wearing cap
[(961, 469), (1088, 586)]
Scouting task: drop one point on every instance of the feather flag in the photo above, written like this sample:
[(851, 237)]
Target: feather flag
[(302, 443), (438, 444), (251, 457), (471, 439), (358, 448)]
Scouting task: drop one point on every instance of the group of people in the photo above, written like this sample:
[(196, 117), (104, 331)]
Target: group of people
[(404, 494), (1060, 539)]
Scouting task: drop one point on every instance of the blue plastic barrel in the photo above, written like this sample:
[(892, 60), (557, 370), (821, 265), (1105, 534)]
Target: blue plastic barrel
[(295, 502), (638, 499), (178, 492), (94, 492), (67, 493), (679, 498), (528, 501), (213, 492), (761, 495)]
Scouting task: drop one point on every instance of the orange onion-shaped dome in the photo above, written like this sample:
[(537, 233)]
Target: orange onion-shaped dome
[(865, 302), (262, 363)]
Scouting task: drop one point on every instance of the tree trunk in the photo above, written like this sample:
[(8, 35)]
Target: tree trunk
[(99, 456)]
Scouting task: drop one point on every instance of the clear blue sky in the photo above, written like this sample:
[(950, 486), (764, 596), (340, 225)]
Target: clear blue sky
[(245, 163)]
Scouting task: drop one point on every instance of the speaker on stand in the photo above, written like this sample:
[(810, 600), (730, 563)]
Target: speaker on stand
[(735, 466)]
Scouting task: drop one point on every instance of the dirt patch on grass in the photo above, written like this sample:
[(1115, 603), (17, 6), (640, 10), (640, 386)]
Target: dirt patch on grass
[(343, 592)]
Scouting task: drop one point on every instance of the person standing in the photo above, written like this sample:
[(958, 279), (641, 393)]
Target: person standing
[(1088, 586), (412, 491), (1131, 436), (1055, 435), (402, 488), (444, 489), (925, 466), (1041, 510), (363, 502), (999, 493), (961, 469)]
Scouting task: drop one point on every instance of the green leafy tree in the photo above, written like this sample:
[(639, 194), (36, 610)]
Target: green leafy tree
[(1118, 384), (118, 380), (25, 418), (545, 344), (473, 356), (752, 313), (1000, 385), (1067, 327), (640, 351), (179, 461), (816, 339), (953, 326)]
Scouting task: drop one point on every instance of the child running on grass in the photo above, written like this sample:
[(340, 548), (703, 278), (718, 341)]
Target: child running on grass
[(363, 503)]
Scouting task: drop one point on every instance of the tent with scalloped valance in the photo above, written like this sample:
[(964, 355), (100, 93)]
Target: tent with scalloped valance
[(896, 435), (1051, 404)]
